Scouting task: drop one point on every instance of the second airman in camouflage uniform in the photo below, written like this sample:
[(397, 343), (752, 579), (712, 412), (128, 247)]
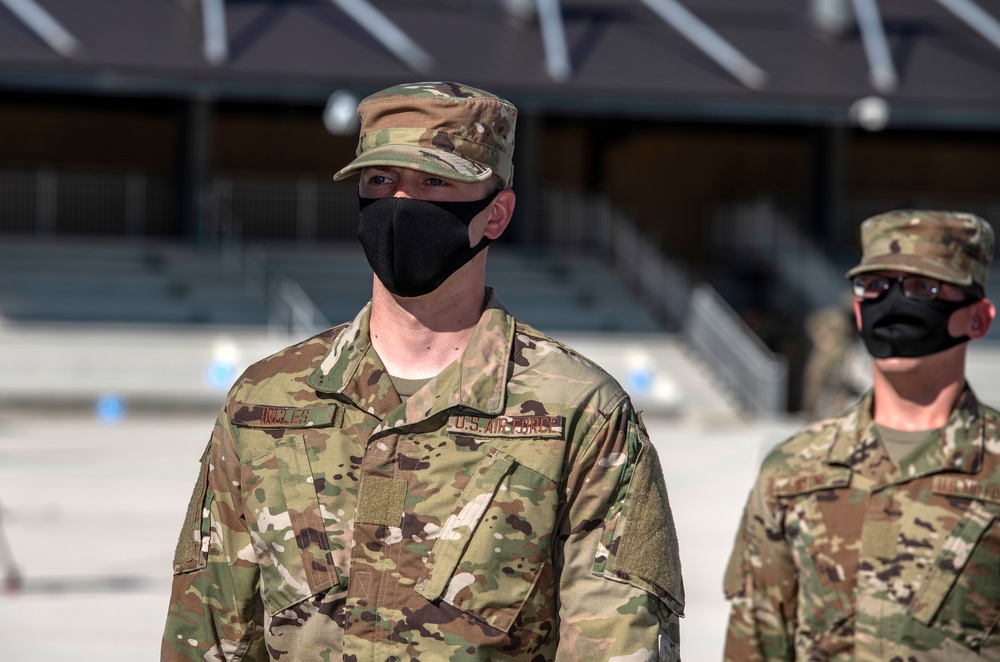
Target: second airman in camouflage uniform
[(874, 535), (508, 507)]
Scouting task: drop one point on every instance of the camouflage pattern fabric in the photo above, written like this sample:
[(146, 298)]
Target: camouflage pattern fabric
[(956, 247), (842, 555), (511, 509), (445, 129)]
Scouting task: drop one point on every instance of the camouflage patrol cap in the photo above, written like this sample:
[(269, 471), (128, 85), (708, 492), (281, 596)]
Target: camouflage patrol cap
[(955, 247), (446, 129)]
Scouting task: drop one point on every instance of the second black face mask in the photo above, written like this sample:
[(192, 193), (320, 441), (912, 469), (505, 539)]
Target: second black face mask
[(415, 245), (897, 326)]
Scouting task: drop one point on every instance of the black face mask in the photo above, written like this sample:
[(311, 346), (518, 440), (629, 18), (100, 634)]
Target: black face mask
[(415, 245), (898, 326)]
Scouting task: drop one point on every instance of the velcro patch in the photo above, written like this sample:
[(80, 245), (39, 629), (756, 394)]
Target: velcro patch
[(267, 416), (381, 500), (647, 556), (878, 538), (507, 426), (966, 488)]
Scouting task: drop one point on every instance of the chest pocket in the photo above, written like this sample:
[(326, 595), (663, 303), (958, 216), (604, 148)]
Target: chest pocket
[(491, 549), (820, 512), (301, 549), (961, 594)]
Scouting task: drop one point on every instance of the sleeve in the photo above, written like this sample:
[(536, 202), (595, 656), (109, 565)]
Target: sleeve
[(619, 575), (215, 610), (761, 584)]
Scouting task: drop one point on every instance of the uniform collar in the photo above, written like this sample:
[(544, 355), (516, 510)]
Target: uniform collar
[(959, 447), (476, 381)]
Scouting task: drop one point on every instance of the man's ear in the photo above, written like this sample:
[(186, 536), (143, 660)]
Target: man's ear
[(857, 312), (981, 318), (501, 211)]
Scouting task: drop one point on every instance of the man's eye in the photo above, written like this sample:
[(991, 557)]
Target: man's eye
[(877, 284), (378, 180), (435, 181)]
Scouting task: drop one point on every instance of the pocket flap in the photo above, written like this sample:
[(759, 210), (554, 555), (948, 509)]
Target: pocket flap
[(949, 564), (288, 528), (460, 525), (490, 552)]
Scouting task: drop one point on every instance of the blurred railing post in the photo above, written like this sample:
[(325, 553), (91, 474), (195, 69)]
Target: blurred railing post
[(135, 204), (757, 377), (595, 224), (305, 207), (46, 202), (291, 311)]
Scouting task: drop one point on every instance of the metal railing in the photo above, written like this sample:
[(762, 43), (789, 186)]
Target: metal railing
[(302, 209), (756, 375), (765, 229), (595, 224), (761, 229), (291, 312), (49, 202)]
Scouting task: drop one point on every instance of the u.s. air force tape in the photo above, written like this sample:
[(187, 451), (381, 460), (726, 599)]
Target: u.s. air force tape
[(507, 426)]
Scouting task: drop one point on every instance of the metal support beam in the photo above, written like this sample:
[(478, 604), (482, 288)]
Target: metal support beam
[(387, 33), (882, 71), (194, 176), (554, 40), (215, 40), (710, 42), (976, 18), (48, 29)]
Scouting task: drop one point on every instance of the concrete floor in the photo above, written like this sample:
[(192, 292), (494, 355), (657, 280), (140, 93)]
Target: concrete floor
[(92, 511)]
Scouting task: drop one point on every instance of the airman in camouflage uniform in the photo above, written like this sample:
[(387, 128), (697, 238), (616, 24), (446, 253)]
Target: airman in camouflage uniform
[(874, 535), (509, 507)]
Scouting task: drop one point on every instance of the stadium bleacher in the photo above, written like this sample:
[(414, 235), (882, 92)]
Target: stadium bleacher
[(150, 283)]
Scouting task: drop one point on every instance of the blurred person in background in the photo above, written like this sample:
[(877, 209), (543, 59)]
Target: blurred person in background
[(434, 480), (12, 582), (837, 371), (874, 535)]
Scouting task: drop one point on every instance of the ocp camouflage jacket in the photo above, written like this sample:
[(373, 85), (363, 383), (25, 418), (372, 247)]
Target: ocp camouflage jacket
[(511, 509), (843, 555)]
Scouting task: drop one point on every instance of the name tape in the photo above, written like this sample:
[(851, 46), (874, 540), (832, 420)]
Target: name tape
[(266, 416)]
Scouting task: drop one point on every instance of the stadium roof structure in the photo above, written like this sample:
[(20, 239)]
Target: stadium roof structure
[(936, 63)]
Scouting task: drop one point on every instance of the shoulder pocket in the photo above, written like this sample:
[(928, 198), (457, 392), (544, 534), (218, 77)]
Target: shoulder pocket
[(642, 547), (492, 548), (192, 546)]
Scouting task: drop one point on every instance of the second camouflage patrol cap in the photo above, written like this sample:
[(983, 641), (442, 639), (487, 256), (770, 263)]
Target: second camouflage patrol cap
[(955, 247), (446, 129)]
